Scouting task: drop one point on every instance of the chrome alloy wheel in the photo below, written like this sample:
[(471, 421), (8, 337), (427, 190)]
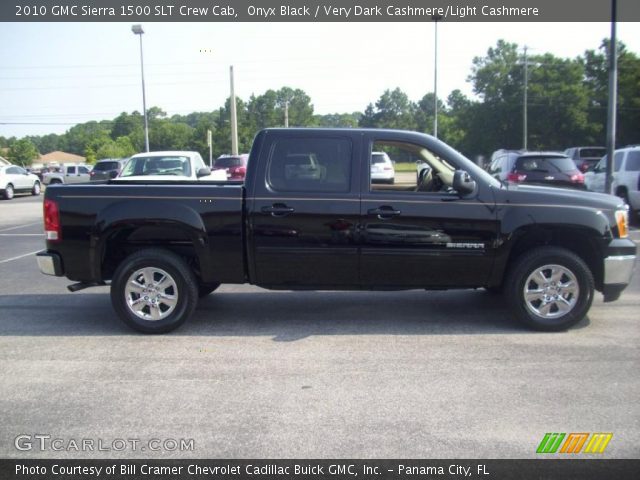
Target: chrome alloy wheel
[(551, 291), (151, 293)]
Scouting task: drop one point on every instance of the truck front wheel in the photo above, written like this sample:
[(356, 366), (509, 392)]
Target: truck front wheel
[(549, 289), (154, 291)]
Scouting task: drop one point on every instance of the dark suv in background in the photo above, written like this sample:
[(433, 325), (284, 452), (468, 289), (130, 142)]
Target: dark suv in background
[(107, 169), (585, 158), (542, 168)]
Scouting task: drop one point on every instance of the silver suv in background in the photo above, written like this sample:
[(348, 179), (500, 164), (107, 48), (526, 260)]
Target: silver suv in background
[(626, 176), (585, 157)]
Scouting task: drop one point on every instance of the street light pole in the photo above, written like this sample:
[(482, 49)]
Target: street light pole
[(525, 133), (435, 18), (137, 30), (234, 117), (613, 94)]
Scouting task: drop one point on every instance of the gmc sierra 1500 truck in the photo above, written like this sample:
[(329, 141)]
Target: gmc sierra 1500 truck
[(308, 216)]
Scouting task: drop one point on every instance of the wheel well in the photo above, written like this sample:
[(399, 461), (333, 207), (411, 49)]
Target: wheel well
[(126, 241), (575, 240)]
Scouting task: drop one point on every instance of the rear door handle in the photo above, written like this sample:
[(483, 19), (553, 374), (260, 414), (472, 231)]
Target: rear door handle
[(384, 212), (277, 210)]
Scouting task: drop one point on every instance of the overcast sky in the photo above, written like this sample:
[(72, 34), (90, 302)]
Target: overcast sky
[(53, 75)]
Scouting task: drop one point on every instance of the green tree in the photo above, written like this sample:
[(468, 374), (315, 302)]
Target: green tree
[(597, 80), (23, 152), (90, 155), (300, 107), (392, 110), (121, 147), (93, 134), (338, 120)]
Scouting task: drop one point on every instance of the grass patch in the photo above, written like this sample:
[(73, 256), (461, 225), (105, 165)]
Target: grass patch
[(405, 167)]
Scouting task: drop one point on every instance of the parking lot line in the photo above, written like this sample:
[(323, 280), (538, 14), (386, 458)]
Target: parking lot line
[(20, 226), (18, 257), (21, 234)]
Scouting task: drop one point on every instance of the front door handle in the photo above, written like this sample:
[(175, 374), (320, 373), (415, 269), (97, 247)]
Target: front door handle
[(277, 210), (384, 212)]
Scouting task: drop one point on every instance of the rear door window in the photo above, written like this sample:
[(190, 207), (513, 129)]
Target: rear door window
[(633, 162), (310, 165)]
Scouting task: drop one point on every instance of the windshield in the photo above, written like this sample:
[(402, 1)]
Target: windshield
[(544, 164), (171, 165)]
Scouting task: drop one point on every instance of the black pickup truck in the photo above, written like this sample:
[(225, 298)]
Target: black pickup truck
[(309, 216)]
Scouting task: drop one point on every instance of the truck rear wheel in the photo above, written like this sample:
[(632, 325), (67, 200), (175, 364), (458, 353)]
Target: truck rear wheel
[(549, 289), (154, 291)]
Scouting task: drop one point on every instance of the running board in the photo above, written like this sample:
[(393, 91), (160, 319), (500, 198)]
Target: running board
[(82, 285)]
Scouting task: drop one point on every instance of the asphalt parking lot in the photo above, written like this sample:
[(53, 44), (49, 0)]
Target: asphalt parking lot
[(259, 374)]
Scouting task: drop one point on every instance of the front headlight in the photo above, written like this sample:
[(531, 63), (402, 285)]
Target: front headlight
[(622, 220)]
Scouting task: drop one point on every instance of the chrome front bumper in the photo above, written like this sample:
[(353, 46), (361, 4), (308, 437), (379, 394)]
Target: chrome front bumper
[(618, 269)]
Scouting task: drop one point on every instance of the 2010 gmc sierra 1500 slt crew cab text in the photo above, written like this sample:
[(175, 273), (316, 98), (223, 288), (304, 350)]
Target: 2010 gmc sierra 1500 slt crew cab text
[(309, 217)]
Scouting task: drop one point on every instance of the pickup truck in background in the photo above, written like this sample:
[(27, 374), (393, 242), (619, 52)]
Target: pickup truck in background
[(308, 216), (68, 173)]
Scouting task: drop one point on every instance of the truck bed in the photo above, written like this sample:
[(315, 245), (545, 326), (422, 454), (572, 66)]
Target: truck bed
[(126, 216)]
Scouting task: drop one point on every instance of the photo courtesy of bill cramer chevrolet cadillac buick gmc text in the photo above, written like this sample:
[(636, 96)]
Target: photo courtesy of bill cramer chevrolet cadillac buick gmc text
[(310, 215)]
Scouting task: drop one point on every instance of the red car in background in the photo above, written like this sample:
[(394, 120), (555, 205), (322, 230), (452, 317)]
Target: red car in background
[(234, 165)]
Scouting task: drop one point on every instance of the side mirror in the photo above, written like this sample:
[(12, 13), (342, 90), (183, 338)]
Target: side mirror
[(203, 172), (463, 183)]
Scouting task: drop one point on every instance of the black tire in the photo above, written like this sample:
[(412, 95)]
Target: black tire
[(205, 289), (36, 189), (9, 193), (55, 181), (182, 291), (522, 272)]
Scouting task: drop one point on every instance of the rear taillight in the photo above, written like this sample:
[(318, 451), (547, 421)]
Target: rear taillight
[(516, 177), (577, 178), (238, 171), (388, 168), (52, 228), (92, 173)]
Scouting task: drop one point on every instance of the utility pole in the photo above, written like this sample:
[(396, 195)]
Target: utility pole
[(524, 101), (613, 92), (286, 114), (210, 144), (234, 118)]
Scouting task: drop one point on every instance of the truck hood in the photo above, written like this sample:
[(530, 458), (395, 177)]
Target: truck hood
[(539, 195)]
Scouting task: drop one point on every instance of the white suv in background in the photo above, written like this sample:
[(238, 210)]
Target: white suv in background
[(626, 175), (15, 179), (382, 170)]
